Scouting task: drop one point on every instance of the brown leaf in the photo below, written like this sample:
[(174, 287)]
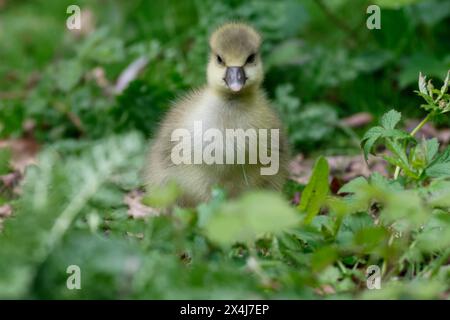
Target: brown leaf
[(11, 179), (300, 169), (130, 73), (5, 211), (444, 136), (296, 199), (325, 289), (343, 168), (357, 120), (24, 151), (136, 209)]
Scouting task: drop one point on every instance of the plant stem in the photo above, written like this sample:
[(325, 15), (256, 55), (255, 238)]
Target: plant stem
[(412, 134)]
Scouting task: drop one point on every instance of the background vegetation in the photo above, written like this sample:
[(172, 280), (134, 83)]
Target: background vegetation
[(70, 114)]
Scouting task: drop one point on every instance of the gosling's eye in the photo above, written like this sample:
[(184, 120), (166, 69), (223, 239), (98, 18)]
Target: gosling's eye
[(251, 58), (220, 60)]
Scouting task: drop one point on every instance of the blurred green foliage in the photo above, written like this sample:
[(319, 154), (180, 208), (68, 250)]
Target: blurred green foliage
[(322, 64)]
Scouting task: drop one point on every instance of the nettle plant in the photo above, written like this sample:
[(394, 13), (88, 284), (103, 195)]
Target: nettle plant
[(410, 234), (400, 224), (418, 160)]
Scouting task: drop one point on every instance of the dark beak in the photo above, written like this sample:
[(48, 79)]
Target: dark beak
[(235, 78)]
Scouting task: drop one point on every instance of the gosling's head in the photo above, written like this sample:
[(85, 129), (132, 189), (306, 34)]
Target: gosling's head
[(235, 65)]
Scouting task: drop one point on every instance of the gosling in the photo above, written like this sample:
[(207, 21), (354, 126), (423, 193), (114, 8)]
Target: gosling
[(232, 99)]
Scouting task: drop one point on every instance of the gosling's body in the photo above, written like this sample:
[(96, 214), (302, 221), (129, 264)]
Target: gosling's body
[(216, 106)]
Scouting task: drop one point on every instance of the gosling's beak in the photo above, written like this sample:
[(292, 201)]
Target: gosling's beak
[(235, 78)]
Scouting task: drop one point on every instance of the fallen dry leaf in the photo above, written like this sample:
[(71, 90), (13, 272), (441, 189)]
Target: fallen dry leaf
[(24, 151), (444, 136), (136, 209), (296, 199), (357, 120), (345, 168), (325, 289), (11, 179), (130, 73), (5, 211), (300, 169)]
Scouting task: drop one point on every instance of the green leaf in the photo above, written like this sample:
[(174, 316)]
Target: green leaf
[(439, 170), (323, 258), (54, 194), (379, 181), (387, 130), (354, 185), (405, 209), (207, 210), (249, 217), (369, 139), (316, 190), (394, 4), (405, 167), (396, 134), (390, 119), (370, 237), (439, 193), (398, 151), (440, 166), (162, 197), (430, 88), (5, 157), (423, 84), (431, 148), (68, 74)]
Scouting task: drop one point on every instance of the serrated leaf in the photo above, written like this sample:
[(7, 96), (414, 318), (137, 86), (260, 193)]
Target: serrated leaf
[(398, 151), (427, 98), (439, 193), (389, 120), (381, 182), (316, 190), (439, 170), (398, 163), (370, 138), (354, 185), (440, 166), (368, 147), (431, 148), (430, 88), (396, 134), (422, 84)]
